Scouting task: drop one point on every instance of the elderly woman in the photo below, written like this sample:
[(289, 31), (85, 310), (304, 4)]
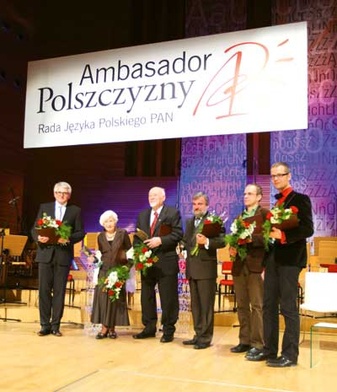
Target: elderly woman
[(113, 243)]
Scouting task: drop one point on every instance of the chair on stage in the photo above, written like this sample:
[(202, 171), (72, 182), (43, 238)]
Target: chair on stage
[(71, 290), (11, 248), (226, 287), (327, 251), (320, 300), (332, 268), (320, 296), (300, 295)]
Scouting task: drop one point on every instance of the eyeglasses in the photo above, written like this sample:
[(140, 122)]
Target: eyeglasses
[(62, 193), (278, 176)]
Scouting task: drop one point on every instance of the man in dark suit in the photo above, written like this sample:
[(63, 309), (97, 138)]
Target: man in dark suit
[(162, 224), (283, 266), (202, 272), (54, 259)]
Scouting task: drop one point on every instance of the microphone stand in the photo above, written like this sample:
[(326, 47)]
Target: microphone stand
[(14, 203), (3, 264)]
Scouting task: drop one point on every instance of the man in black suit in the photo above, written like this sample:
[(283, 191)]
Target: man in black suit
[(202, 272), (283, 266), (54, 259), (163, 226)]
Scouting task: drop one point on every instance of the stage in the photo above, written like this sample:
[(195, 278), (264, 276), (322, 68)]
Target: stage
[(77, 362)]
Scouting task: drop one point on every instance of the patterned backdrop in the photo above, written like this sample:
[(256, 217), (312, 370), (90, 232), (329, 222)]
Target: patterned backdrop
[(312, 153), (215, 164)]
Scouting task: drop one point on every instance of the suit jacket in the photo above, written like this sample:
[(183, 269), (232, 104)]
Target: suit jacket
[(65, 253), (204, 265), (255, 249), (294, 251), (169, 229)]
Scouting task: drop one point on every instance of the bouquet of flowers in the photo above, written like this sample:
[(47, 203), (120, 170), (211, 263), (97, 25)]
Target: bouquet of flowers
[(142, 257), (52, 228), (114, 281), (241, 235), (210, 227), (281, 218)]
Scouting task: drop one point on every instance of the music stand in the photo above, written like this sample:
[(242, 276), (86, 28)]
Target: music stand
[(12, 245)]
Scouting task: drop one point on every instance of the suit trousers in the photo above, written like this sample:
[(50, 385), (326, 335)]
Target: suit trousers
[(249, 296), (202, 304), (52, 288), (280, 294), (169, 302)]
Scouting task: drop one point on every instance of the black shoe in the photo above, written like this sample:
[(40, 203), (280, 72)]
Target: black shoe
[(281, 362), (253, 351), (44, 332), (166, 339), (56, 333), (191, 342), (101, 335), (201, 346), (261, 356), (240, 348), (144, 335)]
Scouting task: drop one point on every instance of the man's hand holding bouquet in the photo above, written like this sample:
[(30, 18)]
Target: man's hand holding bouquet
[(211, 227), (279, 218), (240, 236)]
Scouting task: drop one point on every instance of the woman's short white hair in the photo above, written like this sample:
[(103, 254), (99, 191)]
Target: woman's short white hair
[(106, 215)]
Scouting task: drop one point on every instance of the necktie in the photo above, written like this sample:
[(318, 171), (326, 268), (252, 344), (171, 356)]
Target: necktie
[(153, 225), (278, 196), (196, 222)]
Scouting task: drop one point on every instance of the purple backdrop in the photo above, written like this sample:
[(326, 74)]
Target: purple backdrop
[(312, 153)]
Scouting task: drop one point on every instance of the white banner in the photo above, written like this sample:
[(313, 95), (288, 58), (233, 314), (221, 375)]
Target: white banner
[(240, 82)]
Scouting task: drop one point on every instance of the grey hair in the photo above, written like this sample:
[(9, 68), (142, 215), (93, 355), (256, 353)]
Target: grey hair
[(201, 194), (106, 215), (62, 184)]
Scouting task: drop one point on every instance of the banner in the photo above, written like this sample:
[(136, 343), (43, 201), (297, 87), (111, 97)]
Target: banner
[(247, 81)]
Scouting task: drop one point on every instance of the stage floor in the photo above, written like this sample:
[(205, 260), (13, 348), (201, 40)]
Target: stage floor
[(78, 362)]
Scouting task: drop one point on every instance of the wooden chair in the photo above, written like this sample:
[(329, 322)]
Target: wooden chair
[(317, 241), (327, 252)]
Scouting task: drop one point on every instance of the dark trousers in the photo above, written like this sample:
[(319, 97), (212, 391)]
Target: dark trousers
[(249, 297), (52, 287), (169, 302), (280, 294), (202, 305)]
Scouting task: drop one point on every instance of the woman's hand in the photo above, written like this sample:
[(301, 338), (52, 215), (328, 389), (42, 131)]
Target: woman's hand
[(91, 258)]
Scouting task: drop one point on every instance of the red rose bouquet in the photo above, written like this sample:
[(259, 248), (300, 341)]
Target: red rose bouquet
[(142, 256), (281, 218), (52, 228)]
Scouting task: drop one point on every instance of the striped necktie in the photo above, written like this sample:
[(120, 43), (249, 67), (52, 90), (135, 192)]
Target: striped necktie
[(153, 225)]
